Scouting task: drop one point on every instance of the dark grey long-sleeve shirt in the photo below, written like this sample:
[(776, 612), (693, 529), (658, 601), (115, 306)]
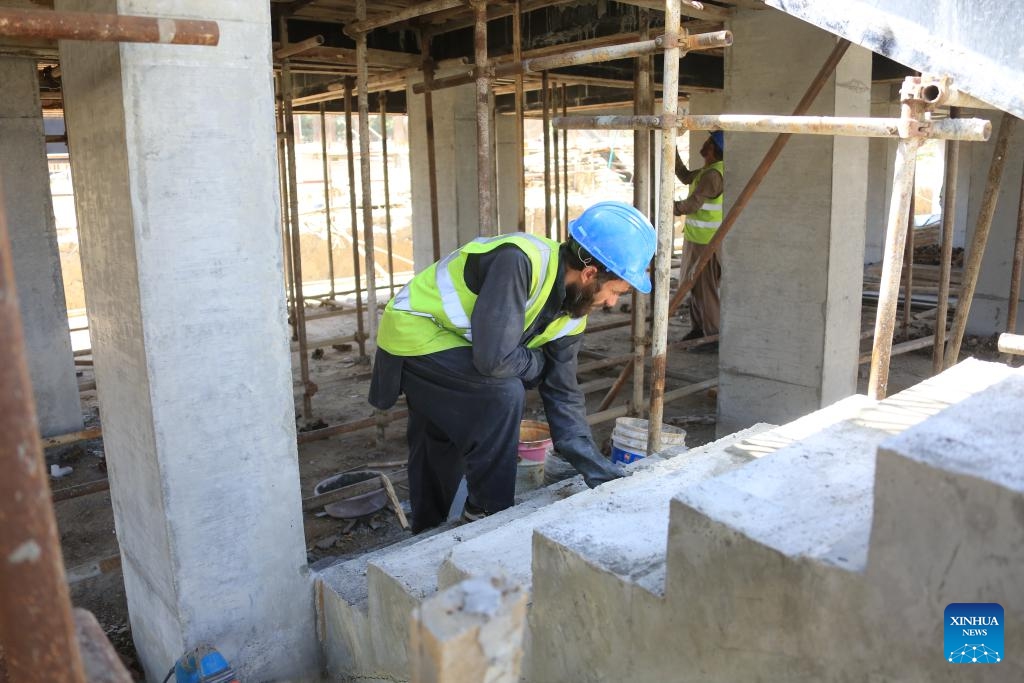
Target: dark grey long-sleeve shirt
[(501, 279)]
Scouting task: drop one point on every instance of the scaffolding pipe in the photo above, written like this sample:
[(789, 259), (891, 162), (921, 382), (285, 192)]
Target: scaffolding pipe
[(546, 122), (383, 100), (557, 170), (666, 228), (892, 260), (355, 221), (643, 104), (759, 173), (327, 197), (282, 176), (364, 25), (36, 627), (428, 111), (296, 243), (946, 261), (604, 53), (667, 397), (565, 165), (517, 55), (292, 49), (908, 260), (1011, 343), (364, 167), (1018, 260), (485, 160), (973, 130), (981, 229), (52, 25)]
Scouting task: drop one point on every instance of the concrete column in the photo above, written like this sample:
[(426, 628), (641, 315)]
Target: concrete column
[(28, 208), (792, 265), (881, 157), (988, 310), (176, 189), (507, 176), (455, 157)]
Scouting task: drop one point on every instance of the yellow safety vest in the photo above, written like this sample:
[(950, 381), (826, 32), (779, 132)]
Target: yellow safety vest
[(701, 225), (433, 312)]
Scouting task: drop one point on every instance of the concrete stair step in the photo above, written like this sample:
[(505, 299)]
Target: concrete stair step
[(770, 558), (949, 526), (608, 568), (364, 604)]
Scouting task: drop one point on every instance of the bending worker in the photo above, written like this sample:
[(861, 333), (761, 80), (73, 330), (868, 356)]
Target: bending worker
[(466, 337), (703, 211)]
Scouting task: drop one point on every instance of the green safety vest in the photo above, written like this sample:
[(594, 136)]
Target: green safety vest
[(433, 312), (701, 225)]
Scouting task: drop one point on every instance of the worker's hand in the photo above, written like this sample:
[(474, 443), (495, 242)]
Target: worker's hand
[(677, 209), (537, 375), (584, 456), (680, 166)]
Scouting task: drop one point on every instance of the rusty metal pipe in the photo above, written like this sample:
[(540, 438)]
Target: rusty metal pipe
[(292, 49), (419, 9), (364, 167), (485, 159), (51, 25), (327, 197), (666, 228), (282, 171), (557, 171), (945, 263), (642, 186), (546, 122), (517, 55), (383, 100), (565, 166), (975, 130), (355, 221), (892, 260), (36, 627), (624, 122), (981, 229), (1018, 260), (428, 110), (299, 310), (908, 260)]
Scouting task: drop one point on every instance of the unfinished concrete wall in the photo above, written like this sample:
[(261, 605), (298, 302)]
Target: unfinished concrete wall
[(506, 178), (28, 209), (176, 188), (792, 264), (456, 164), (989, 308), (881, 156)]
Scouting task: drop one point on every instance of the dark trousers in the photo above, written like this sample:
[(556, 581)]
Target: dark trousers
[(460, 423)]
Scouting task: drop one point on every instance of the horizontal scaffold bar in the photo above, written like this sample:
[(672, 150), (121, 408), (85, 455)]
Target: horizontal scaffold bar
[(969, 130)]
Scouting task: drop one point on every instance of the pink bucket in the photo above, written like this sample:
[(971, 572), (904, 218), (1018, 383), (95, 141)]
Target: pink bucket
[(534, 440)]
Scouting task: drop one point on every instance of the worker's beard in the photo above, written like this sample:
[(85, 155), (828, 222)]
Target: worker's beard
[(579, 299)]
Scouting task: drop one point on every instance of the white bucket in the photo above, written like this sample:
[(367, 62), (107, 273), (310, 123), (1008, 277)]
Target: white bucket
[(629, 439)]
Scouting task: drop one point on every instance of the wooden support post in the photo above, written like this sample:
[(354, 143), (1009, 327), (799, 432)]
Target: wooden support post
[(469, 633)]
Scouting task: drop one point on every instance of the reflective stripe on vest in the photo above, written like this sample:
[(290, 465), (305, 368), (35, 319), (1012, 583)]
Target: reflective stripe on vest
[(701, 225), (563, 326), (433, 312)]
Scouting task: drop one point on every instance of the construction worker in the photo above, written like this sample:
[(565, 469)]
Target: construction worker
[(466, 337), (703, 210)]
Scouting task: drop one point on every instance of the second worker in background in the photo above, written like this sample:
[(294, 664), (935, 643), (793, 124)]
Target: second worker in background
[(703, 210)]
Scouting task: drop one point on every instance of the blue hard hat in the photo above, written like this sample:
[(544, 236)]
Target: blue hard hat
[(620, 237), (719, 138)]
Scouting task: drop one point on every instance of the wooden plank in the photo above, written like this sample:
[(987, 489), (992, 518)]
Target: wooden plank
[(352, 490)]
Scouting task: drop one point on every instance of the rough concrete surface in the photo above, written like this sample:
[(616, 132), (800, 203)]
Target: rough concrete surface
[(179, 257), (949, 526), (796, 251), (28, 210)]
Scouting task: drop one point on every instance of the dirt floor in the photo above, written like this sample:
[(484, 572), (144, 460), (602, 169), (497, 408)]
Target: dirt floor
[(86, 523)]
